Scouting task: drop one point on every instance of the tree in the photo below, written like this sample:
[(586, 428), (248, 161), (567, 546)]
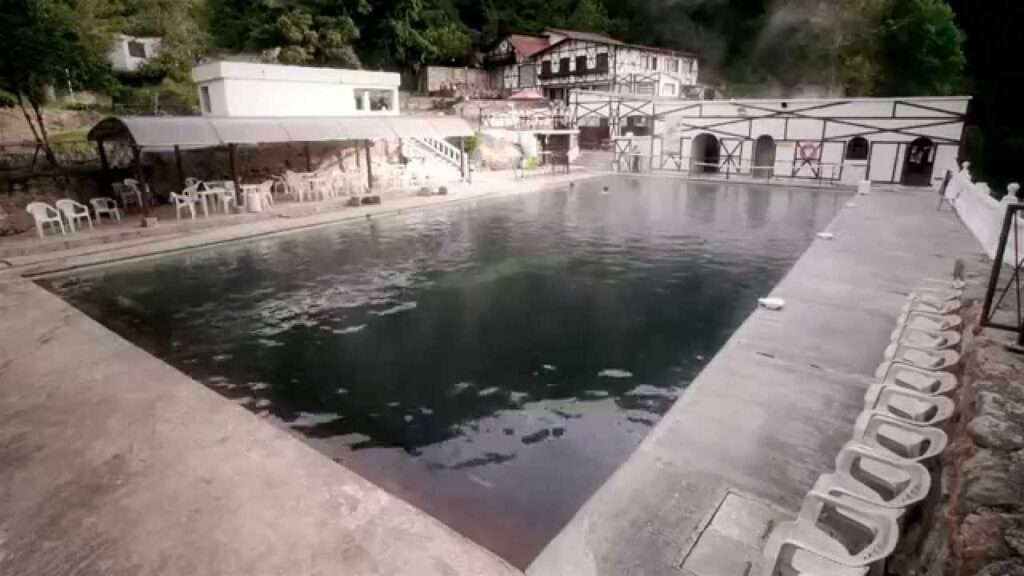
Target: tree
[(46, 42), (923, 50), (317, 32), (592, 16)]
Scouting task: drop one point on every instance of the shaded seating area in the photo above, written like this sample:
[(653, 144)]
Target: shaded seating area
[(193, 196)]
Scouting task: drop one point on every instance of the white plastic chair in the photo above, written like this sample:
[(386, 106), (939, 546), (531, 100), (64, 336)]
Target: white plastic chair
[(106, 206), (131, 194), (74, 212), (297, 186), (942, 308), (927, 359), (898, 439), (44, 214), (927, 339), (928, 322), (868, 475), (809, 546), (267, 192), (908, 406), (187, 199), (927, 382)]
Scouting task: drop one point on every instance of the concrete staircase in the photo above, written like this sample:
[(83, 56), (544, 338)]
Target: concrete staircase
[(595, 160), (436, 153)]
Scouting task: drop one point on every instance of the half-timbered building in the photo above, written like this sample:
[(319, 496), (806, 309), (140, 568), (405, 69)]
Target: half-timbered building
[(562, 60), (911, 141)]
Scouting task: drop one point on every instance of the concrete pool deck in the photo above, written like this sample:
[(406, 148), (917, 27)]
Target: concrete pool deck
[(115, 463)]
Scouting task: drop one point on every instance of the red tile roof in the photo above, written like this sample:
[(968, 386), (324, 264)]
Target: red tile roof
[(527, 46)]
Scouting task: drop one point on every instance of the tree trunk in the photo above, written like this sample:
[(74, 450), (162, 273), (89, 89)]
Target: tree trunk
[(42, 131), (28, 120)]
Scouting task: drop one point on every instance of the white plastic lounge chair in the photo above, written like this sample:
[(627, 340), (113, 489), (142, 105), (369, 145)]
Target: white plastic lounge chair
[(927, 339), (898, 439), (929, 322), (74, 212), (927, 382), (936, 297), (909, 406), (187, 199), (927, 359), (812, 546), (863, 473), (44, 214), (918, 305), (267, 192), (106, 206)]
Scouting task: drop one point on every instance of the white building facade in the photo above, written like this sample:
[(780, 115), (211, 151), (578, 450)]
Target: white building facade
[(253, 89), (911, 141), (564, 60), (129, 53)]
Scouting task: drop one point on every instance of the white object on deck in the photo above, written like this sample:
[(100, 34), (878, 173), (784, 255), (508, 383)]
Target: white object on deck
[(44, 214), (826, 235), (864, 187), (928, 382), (74, 212), (187, 199), (771, 303)]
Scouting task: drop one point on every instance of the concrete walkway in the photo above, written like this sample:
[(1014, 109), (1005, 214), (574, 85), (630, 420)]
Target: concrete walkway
[(772, 409)]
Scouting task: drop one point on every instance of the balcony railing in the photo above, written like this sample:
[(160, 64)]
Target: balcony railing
[(549, 74)]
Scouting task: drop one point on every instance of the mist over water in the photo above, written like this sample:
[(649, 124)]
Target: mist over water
[(491, 362)]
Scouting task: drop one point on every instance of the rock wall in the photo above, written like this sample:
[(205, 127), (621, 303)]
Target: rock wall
[(975, 524)]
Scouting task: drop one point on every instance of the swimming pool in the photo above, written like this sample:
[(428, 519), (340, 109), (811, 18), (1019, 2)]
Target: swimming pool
[(492, 362)]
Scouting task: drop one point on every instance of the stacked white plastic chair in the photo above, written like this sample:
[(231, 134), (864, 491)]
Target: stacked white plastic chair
[(849, 523)]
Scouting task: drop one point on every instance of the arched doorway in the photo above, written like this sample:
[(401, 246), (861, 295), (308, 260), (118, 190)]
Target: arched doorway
[(764, 157), (919, 162), (704, 155)]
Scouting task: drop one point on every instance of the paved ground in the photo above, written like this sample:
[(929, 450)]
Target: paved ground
[(771, 410), (115, 463)]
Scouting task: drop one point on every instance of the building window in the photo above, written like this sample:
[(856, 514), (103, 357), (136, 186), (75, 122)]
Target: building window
[(204, 99), (857, 149), (675, 65), (380, 100), (545, 68), (563, 66), (654, 62), (602, 62), (581, 65), (136, 49)]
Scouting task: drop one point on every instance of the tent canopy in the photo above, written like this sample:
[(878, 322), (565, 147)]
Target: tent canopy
[(186, 132)]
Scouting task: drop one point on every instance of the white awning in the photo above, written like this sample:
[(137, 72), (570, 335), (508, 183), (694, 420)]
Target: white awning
[(189, 132)]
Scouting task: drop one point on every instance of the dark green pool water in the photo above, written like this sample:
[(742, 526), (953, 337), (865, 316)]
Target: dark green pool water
[(491, 362)]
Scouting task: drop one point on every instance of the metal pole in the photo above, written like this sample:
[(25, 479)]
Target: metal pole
[(369, 166), (105, 165), (232, 161), (309, 160), (177, 164), (990, 292), (462, 157), (141, 177)]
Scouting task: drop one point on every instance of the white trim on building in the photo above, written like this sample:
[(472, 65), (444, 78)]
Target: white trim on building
[(129, 53)]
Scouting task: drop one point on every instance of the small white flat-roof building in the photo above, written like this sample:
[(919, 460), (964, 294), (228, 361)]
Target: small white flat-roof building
[(274, 90), (129, 53)]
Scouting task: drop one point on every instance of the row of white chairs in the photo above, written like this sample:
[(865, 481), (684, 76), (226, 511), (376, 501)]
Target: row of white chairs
[(68, 215), (850, 520)]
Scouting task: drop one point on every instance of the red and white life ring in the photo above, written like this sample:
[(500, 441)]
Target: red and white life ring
[(809, 151)]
